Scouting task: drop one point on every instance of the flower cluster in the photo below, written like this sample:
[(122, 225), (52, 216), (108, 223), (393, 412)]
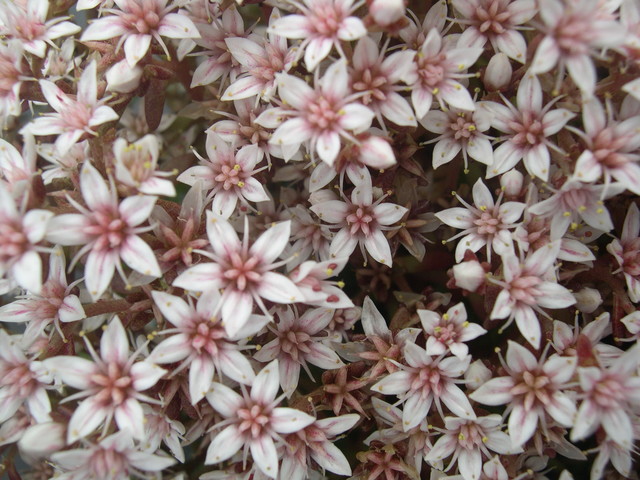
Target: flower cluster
[(301, 239)]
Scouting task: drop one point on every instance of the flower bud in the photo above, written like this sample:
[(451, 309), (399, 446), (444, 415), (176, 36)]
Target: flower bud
[(512, 182), (587, 299), (476, 375), (123, 78), (498, 73), (386, 12), (42, 440), (469, 275)]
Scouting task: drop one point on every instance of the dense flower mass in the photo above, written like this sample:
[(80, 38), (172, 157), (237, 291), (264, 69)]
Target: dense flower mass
[(304, 239)]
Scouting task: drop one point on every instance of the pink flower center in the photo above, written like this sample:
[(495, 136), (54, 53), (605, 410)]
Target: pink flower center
[(111, 230), (462, 127), (114, 384), (606, 147), (76, 116), (470, 436), (361, 219), (19, 379), (574, 199), (609, 392), (28, 29), (143, 17), (533, 387), (492, 18), (446, 333), (243, 271), (322, 113), (295, 343), (9, 75), (229, 176), (254, 420), (270, 64), (206, 336), (631, 257), (139, 162), (488, 223), (426, 380), (13, 241), (432, 71), (326, 18), (522, 289), (529, 131), (573, 34), (372, 81)]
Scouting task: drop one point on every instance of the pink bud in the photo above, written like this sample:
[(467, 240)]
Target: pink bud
[(512, 182), (498, 73), (476, 375), (42, 440), (469, 275), (588, 299), (386, 12), (122, 78)]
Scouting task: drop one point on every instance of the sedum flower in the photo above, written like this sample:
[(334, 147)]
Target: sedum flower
[(116, 457), (20, 233), (298, 343), (362, 222), (322, 25), (108, 230), (323, 116), (11, 77), (485, 223), (533, 389), (243, 272), (526, 290), (627, 251), (447, 333), (427, 379), (74, 116), (199, 342), (112, 384), (253, 421), (137, 22)]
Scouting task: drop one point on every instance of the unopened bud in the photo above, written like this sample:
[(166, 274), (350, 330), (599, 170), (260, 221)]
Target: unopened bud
[(41, 440), (386, 12), (588, 299), (469, 275), (498, 73), (512, 183), (123, 78), (477, 375)]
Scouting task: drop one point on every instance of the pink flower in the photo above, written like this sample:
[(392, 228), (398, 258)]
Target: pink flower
[(467, 441), (425, 380), (611, 398), (136, 165), (298, 343), (20, 233), (199, 342), (315, 442), (362, 222), (243, 272), (311, 278), (11, 76), (29, 25), (526, 291), (228, 175), (533, 389), (435, 73), (527, 129), (377, 75), (576, 30), (485, 223), (114, 458), (253, 421), (627, 251), (22, 381), (323, 24), (496, 21), (323, 116), (112, 383), (261, 62), (137, 22), (447, 333), (459, 131), (108, 230), (74, 117), (54, 304), (575, 201), (612, 148)]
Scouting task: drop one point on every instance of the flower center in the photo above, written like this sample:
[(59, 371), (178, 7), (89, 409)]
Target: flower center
[(110, 230), (295, 343), (361, 219), (229, 176), (534, 387), (462, 127), (242, 272), (108, 463), (487, 223), (491, 19), (431, 70), (523, 289), (606, 147), (114, 384), (13, 241), (529, 132), (206, 336), (322, 113), (372, 82), (254, 420)]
